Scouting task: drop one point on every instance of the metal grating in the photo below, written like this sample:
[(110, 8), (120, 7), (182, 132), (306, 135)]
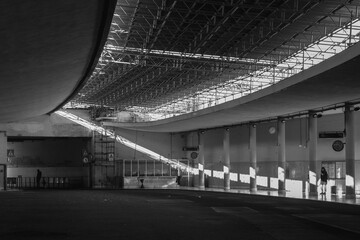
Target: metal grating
[(166, 57)]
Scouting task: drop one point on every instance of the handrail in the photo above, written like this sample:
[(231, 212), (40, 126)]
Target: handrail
[(45, 182)]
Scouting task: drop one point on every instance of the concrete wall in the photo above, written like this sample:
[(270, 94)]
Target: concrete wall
[(51, 143), (166, 144), (45, 126), (3, 159), (60, 156), (3, 147)]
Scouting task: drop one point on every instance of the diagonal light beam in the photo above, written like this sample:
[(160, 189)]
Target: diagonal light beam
[(93, 127)]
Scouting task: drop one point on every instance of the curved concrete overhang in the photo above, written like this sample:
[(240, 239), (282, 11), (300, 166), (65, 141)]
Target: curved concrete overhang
[(333, 81), (48, 49)]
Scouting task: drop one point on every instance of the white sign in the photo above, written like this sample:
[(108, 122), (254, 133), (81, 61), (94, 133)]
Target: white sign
[(85, 153), (85, 160), (111, 157), (10, 153)]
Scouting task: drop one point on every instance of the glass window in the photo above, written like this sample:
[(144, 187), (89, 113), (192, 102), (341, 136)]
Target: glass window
[(174, 172), (134, 168), (158, 168), (166, 170), (127, 168), (340, 170), (142, 168), (150, 167), (331, 170), (335, 170)]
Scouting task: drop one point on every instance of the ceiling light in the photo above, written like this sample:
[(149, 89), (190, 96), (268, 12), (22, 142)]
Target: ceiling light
[(317, 115)]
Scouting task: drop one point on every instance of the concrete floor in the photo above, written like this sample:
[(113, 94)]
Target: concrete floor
[(171, 214), (328, 197)]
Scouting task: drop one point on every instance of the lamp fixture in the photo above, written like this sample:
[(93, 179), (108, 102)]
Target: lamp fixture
[(317, 115)]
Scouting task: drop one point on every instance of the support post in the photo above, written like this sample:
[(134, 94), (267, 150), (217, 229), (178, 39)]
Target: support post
[(253, 157), (226, 149), (201, 163), (281, 155), (3, 160), (312, 153), (350, 151)]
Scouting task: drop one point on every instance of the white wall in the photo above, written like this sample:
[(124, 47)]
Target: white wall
[(166, 144)]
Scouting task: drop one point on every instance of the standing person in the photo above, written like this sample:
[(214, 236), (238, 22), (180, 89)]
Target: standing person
[(38, 178), (323, 177)]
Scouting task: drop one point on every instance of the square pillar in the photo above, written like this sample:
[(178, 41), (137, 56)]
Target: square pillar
[(253, 158), (350, 152), (226, 149), (281, 155), (201, 164), (312, 152), (3, 160)]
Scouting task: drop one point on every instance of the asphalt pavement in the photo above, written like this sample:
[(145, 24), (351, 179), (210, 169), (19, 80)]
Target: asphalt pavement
[(171, 214)]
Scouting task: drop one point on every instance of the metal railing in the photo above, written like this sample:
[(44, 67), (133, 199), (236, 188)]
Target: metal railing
[(46, 182)]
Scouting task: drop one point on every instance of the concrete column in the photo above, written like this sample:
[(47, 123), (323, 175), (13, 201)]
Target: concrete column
[(312, 152), (350, 152), (3, 148), (281, 155), (253, 155), (3, 160), (201, 163), (226, 147)]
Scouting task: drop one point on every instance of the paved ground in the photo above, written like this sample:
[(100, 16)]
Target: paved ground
[(171, 214)]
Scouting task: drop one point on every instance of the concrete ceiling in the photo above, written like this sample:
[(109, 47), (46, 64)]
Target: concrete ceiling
[(48, 49), (334, 81)]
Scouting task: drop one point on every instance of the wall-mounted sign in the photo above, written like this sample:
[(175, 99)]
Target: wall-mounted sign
[(338, 145), (85, 160), (334, 134), (272, 130), (10, 153), (111, 157), (190, 148), (84, 153)]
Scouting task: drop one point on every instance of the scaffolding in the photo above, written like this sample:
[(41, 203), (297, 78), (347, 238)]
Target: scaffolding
[(104, 169), (166, 58)]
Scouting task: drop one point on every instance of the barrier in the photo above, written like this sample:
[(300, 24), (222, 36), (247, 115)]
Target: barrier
[(45, 182)]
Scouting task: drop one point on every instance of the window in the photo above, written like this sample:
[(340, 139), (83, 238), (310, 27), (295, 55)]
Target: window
[(127, 168), (335, 169)]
